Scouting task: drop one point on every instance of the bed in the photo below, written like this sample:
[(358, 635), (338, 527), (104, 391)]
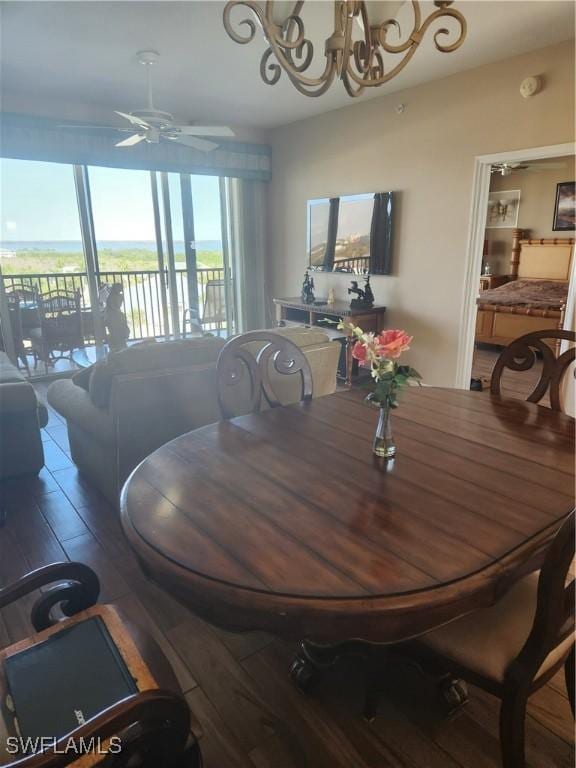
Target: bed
[(535, 296)]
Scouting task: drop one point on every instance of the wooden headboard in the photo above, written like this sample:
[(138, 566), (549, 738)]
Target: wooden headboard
[(541, 259)]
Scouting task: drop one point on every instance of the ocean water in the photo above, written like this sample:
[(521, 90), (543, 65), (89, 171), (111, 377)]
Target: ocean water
[(75, 246)]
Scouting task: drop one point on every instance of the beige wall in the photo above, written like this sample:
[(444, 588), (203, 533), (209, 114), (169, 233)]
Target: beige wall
[(426, 155), (536, 212)]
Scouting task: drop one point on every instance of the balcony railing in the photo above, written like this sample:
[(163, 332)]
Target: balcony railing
[(143, 290)]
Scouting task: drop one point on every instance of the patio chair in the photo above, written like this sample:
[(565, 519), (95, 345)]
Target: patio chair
[(214, 304), (15, 314), (60, 328)]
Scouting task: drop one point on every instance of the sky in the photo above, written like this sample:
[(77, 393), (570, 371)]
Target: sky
[(38, 202)]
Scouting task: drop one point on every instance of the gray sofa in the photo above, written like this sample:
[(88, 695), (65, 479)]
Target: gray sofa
[(21, 417), (125, 407)]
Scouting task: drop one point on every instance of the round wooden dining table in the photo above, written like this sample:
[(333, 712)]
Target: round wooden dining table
[(284, 521)]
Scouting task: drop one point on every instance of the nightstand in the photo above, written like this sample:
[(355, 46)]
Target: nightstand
[(492, 281)]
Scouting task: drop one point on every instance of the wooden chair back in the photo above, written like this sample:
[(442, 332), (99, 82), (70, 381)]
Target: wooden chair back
[(247, 360), (554, 617), (521, 355)]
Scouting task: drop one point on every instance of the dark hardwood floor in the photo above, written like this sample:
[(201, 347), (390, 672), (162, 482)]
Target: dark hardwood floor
[(245, 710)]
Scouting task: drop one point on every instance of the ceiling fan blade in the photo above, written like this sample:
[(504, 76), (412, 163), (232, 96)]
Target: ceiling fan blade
[(544, 166), (203, 130), (192, 141), (134, 120), (131, 140), (99, 127)]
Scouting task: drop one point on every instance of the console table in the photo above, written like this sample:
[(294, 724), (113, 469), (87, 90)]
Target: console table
[(294, 311)]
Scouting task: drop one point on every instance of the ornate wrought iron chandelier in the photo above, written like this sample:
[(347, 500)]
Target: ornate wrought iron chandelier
[(354, 51)]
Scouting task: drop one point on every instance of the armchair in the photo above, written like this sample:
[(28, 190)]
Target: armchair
[(153, 724)]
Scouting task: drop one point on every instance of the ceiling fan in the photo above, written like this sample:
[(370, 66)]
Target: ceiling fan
[(505, 169), (152, 125)]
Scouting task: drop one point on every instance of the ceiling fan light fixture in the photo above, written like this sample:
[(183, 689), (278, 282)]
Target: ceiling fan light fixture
[(355, 48)]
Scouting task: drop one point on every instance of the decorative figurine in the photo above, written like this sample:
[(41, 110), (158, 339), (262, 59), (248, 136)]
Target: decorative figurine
[(115, 319), (365, 298), (307, 294), (331, 297), (368, 295)]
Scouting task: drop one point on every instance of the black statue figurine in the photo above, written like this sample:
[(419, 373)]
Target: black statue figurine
[(307, 294), (365, 298), (115, 319), (368, 295)]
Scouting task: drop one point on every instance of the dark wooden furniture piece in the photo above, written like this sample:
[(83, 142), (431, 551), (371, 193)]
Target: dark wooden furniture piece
[(512, 648), (487, 282), (153, 724), (292, 310), (60, 326), (282, 521), (521, 356), (244, 368)]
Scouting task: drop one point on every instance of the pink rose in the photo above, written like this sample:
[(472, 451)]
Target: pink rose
[(391, 344), (359, 352)]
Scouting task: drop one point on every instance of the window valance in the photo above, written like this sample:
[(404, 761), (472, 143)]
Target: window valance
[(26, 137)]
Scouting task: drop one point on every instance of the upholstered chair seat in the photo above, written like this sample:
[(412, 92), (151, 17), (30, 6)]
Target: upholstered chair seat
[(489, 640)]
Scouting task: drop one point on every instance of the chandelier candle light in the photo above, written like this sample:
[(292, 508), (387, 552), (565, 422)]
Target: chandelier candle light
[(381, 353), (364, 31)]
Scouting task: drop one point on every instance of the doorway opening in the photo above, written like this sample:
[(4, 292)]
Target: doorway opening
[(518, 204)]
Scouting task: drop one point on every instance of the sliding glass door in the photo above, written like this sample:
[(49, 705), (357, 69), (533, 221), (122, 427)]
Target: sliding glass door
[(41, 251), (162, 236), (126, 245)]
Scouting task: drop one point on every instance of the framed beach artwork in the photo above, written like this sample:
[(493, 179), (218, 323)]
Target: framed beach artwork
[(565, 207), (503, 207)]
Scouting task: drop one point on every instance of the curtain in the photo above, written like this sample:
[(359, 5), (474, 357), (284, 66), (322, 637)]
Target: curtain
[(247, 246), (23, 137), (381, 235), (332, 233)]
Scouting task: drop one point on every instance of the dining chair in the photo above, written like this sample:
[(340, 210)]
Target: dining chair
[(25, 291), (521, 355), (60, 326), (512, 648), (254, 364), (153, 723), (16, 326)]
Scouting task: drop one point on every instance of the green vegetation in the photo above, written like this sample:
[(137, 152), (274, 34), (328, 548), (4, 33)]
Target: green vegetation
[(128, 260)]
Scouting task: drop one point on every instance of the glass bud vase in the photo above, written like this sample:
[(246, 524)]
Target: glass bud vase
[(384, 446)]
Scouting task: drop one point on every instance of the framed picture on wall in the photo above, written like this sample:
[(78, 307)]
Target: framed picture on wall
[(565, 207), (503, 207)]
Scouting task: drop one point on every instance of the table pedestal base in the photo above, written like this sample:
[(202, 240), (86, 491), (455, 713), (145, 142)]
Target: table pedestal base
[(311, 658)]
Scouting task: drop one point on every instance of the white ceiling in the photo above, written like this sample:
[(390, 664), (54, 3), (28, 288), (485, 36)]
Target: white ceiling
[(78, 57)]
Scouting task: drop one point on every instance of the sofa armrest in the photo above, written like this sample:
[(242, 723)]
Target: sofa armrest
[(75, 404), (17, 396)]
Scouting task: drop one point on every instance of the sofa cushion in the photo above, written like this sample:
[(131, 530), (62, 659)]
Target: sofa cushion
[(82, 378), (150, 357), (303, 337)]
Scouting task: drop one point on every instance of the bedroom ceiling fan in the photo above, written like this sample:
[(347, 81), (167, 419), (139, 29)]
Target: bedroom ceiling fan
[(153, 125), (505, 169)]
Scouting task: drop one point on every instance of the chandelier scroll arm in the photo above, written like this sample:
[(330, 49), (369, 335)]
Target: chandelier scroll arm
[(359, 63)]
